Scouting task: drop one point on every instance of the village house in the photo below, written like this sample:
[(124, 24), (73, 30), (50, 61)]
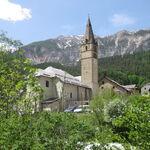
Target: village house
[(108, 83), (145, 90)]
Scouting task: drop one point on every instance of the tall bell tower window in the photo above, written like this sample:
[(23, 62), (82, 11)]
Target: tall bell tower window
[(86, 48)]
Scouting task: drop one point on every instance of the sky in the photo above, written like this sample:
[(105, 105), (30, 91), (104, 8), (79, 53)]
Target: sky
[(37, 20)]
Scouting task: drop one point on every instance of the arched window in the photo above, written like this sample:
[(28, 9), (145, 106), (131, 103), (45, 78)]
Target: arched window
[(47, 83), (86, 48)]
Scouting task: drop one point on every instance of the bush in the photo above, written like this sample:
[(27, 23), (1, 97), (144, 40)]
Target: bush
[(44, 131), (122, 119), (114, 110), (134, 125)]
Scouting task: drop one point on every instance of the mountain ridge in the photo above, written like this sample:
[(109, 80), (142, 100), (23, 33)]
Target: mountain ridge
[(66, 49)]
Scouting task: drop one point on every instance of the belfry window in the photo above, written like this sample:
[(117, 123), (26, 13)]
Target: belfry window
[(47, 83), (86, 48)]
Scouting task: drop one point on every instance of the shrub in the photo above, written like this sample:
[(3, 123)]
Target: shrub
[(44, 131), (134, 125)]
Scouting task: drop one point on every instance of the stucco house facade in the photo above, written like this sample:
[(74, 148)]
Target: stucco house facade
[(145, 90), (108, 83), (60, 90)]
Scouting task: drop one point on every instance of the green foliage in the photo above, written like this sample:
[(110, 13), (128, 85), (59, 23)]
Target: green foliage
[(134, 125), (122, 119), (42, 131), (114, 119), (16, 78), (114, 109), (98, 104)]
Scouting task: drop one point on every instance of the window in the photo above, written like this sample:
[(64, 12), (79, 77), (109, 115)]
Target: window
[(70, 95), (113, 87), (47, 83), (86, 48), (103, 82), (102, 87)]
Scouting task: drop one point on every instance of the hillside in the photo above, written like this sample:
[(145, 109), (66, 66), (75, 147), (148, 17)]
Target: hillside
[(66, 49), (128, 69)]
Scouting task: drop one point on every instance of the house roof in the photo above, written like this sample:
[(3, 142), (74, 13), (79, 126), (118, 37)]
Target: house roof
[(130, 87), (60, 74), (148, 84)]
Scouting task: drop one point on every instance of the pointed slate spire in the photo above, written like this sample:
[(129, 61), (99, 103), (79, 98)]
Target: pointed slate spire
[(89, 36)]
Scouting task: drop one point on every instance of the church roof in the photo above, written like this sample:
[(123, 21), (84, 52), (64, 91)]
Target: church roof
[(78, 77), (62, 75), (89, 36)]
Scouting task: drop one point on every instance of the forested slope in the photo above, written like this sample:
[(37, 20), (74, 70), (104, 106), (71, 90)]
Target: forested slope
[(127, 69)]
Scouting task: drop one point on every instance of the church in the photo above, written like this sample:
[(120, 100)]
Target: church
[(61, 90)]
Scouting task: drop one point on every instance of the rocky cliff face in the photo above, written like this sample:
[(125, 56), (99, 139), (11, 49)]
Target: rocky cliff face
[(66, 49)]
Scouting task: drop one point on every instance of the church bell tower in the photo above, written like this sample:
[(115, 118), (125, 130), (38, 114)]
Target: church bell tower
[(89, 59)]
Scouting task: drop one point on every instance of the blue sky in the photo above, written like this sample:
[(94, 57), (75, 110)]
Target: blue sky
[(36, 20)]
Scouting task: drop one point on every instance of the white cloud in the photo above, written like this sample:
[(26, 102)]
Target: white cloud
[(121, 20), (13, 12)]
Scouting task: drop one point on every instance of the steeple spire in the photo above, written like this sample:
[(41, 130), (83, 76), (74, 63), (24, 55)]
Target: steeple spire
[(89, 36)]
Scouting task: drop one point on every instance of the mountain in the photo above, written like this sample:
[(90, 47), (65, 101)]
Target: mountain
[(66, 49)]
